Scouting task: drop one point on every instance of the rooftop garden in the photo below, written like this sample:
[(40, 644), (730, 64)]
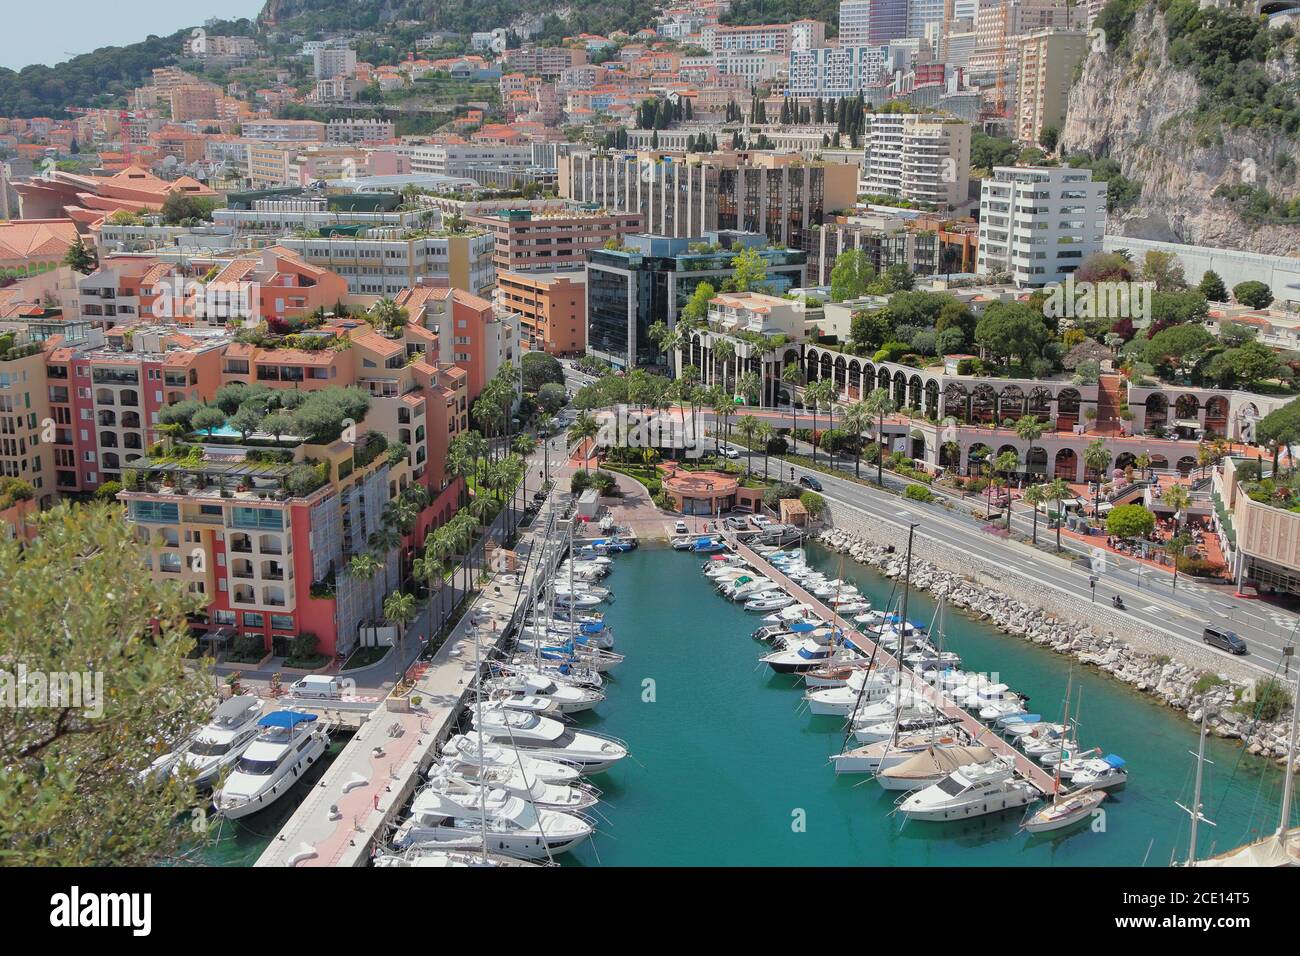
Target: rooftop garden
[(318, 417), (14, 490)]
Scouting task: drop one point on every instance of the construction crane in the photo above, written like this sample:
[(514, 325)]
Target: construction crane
[(1000, 88)]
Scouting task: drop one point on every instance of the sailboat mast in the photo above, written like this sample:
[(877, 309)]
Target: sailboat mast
[(478, 723), (1196, 795), (907, 586), (1288, 780)]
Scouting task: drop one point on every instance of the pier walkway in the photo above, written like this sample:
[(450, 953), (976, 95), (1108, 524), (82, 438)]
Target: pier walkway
[(358, 798), (975, 729)]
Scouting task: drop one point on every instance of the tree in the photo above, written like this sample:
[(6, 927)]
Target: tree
[(1278, 428), (1246, 365), (79, 257), (765, 434), (584, 427), (868, 331), (1097, 458), (1255, 294), (80, 600), (1178, 348), (364, 567), (1176, 497), (1164, 270), (539, 368), (696, 310), (750, 270), (278, 424), (851, 275), (855, 420), (1130, 521), (1049, 137), (1212, 287), (820, 394), (1007, 464), (246, 420), (399, 609), (207, 418), (551, 397), (1035, 496), (1058, 490), (877, 405), (1011, 329)]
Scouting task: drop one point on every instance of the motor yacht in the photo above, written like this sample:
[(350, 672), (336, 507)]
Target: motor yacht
[(288, 743), (543, 795), (804, 655), (568, 698), (973, 791), (930, 766), (462, 751), (860, 690), (769, 601), (217, 745), (455, 821), (1101, 773), (434, 857), (547, 738)]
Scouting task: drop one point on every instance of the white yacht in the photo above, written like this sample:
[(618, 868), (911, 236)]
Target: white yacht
[(543, 737), (871, 758), (221, 741), (558, 667), (804, 655), (568, 698), (289, 743), (462, 752), (769, 601), (1101, 773), (917, 722), (543, 795), (930, 766), (446, 859), (859, 690), (454, 821), (973, 791)]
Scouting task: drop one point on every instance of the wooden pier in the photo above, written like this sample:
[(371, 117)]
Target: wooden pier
[(975, 729)]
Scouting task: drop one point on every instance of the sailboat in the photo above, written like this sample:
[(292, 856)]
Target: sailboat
[(1279, 848), (1064, 810)]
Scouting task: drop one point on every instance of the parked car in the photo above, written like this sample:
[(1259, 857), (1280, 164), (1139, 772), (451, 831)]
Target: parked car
[(1224, 640), (728, 451), (737, 523), (808, 481), (680, 528), (760, 521)]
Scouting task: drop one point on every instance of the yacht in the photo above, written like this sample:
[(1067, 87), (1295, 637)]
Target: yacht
[(290, 741), (930, 766), (558, 667), (804, 655), (434, 857), (221, 742), (1101, 773), (462, 752), (859, 690), (543, 737), (568, 698), (543, 795), (834, 675), (769, 601), (455, 821), (1064, 811), (577, 599), (870, 758), (883, 730), (973, 791)]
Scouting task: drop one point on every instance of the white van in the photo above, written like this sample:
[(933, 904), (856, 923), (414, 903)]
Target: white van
[(317, 685)]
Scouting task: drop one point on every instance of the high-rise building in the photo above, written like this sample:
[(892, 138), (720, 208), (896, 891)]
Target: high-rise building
[(552, 309), (872, 22), (1039, 222), (835, 72), (334, 61), (1046, 71), (778, 194), (920, 157)]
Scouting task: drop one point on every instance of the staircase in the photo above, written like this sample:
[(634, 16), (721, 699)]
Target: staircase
[(1110, 396)]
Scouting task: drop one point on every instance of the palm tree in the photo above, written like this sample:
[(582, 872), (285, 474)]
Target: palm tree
[(364, 567), (1097, 457), (399, 609), (792, 374), (765, 434), (1176, 497), (1143, 461), (1035, 495), (879, 404), (1006, 465), (1058, 489), (820, 394), (1029, 429), (750, 386), (747, 425), (855, 420), (584, 427), (724, 350), (723, 409)]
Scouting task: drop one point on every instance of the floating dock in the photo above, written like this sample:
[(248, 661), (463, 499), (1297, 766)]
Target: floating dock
[(978, 732)]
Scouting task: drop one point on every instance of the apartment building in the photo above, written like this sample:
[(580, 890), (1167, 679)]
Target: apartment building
[(546, 62), (529, 241), (768, 37), (887, 241), (872, 22), (778, 194), (470, 332), (359, 131), (328, 62), (920, 157), (284, 130), (1046, 72), (25, 414), (384, 262), (835, 72), (456, 159), (552, 309), (1039, 222), (996, 23)]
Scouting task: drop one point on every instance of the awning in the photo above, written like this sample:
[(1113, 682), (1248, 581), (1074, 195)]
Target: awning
[(288, 719), (1186, 423)]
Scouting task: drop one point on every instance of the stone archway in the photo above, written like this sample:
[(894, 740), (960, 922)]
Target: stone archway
[(1011, 403), (1066, 465), (956, 402)]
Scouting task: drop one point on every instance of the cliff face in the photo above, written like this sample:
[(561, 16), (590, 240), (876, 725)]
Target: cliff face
[(1132, 105)]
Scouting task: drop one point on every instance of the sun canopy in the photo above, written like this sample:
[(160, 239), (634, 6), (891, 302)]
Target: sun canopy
[(802, 627), (288, 719), (1114, 760)]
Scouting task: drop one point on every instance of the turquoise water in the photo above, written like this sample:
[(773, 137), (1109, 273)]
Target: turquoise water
[(724, 768)]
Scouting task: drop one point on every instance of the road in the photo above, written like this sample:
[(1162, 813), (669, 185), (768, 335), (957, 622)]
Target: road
[(1148, 597)]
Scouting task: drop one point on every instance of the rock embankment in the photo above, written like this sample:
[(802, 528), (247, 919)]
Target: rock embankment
[(1177, 685)]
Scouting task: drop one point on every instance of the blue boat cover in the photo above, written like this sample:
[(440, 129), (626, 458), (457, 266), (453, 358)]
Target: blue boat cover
[(287, 719), (593, 627), (802, 627), (1114, 760)]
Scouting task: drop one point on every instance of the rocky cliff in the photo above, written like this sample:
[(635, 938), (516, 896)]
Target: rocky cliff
[(1135, 105)]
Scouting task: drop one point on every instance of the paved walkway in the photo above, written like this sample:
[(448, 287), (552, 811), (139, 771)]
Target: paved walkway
[(359, 796)]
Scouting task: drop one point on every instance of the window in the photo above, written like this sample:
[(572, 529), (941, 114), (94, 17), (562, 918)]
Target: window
[(253, 619)]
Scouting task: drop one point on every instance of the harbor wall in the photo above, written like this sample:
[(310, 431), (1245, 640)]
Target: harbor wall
[(1099, 616)]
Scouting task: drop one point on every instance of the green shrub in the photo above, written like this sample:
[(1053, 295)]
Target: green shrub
[(813, 503), (918, 493)]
